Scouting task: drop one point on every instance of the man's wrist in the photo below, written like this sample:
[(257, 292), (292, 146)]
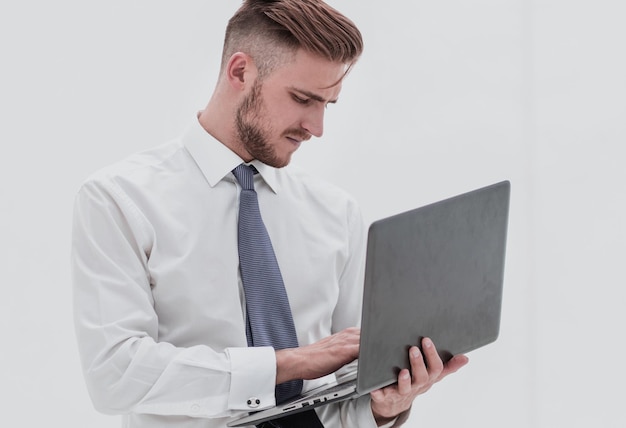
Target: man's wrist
[(288, 365)]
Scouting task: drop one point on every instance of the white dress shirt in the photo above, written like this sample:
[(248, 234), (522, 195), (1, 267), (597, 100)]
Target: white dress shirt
[(158, 303)]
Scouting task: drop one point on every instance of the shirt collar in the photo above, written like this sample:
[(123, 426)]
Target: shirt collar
[(216, 161)]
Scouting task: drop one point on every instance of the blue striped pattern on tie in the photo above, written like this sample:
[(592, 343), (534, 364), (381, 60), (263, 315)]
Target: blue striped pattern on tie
[(269, 319)]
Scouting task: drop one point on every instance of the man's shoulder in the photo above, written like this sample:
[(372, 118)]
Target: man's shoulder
[(314, 187), (142, 165)]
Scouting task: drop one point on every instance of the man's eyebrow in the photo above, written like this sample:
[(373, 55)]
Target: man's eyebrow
[(313, 96)]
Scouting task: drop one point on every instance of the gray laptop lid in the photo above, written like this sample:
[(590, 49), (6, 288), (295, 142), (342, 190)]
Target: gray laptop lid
[(435, 271)]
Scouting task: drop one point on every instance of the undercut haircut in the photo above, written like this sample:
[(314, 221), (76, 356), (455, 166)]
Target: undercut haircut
[(271, 32)]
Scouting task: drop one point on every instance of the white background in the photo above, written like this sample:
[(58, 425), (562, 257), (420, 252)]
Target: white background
[(449, 95)]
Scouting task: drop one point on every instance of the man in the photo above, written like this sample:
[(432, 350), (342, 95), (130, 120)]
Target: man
[(161, 308)]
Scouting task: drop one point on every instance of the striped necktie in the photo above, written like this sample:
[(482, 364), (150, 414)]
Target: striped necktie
[(269, 319)]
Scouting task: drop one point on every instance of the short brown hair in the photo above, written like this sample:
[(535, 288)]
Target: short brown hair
[(267, 30)]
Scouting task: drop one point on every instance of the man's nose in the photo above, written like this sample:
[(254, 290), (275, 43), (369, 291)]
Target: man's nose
[(314, 121)]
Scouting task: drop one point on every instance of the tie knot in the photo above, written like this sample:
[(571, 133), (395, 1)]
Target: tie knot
[(245, 176)]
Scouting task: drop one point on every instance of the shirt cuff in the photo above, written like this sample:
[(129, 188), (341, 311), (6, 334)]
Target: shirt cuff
[(252, 379)]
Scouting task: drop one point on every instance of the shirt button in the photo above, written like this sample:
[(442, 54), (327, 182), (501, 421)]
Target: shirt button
[(253, 402), (195, 408)]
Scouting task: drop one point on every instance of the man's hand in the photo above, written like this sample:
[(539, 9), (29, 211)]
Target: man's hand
[(426, 370), (318, 359)]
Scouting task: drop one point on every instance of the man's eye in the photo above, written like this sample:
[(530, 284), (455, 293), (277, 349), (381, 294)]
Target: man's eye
[(300, 100)]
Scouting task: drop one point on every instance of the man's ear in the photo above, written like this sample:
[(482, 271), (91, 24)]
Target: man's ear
[(241, 71)]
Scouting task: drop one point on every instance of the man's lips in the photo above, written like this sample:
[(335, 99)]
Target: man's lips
[(297, 139)]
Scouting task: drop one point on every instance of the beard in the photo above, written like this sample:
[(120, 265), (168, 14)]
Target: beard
[(252, 135)]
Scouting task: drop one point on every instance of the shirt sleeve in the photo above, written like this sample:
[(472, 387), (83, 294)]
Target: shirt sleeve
[(347, 312), (349, 413), (125, 366), (356, 412)]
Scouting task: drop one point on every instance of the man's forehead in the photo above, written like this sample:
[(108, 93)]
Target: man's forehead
[(312, 73)]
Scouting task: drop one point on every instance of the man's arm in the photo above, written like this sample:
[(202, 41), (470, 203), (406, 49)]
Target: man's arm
[(126, 367), (318, 359)]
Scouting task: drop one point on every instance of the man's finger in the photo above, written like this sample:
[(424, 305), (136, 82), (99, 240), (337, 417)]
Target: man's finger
[(418, 366), (433, 361), (404, 382)]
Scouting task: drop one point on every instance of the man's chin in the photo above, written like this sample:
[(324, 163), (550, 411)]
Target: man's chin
[(275, 161), (281, 164)]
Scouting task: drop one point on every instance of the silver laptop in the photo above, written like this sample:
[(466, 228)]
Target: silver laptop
[(435, 271)]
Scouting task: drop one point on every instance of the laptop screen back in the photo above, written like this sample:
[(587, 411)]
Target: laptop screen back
[(436, 271)]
